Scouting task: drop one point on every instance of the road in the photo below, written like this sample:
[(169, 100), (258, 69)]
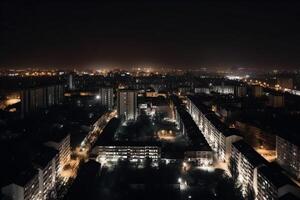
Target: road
[(279, 89), (81, 152), (98, 127)]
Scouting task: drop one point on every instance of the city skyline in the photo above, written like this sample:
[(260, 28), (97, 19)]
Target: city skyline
[(149, 100)]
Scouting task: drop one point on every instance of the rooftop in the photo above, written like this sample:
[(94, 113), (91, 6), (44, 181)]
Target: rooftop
[(58, 136), (277, 178), (251, 155), (44, 156), (195, 136), (290, 136), (289, 196), (196, 100), (23, 177)]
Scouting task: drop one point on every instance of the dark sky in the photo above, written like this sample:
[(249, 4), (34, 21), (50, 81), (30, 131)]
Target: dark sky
[(176, 33)]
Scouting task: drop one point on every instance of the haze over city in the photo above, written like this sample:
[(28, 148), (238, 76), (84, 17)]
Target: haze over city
[(184, 34)]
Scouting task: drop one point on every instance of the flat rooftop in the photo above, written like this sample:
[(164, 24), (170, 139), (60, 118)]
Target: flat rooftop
[(44, 156), (21, 178), (252, 156), (277, 178), (195, 136), (196, 100)]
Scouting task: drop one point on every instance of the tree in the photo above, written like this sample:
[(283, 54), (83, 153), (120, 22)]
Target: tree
[(227, 188)]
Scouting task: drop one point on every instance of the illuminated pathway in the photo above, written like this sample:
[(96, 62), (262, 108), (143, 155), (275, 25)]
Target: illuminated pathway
[(81, 152)]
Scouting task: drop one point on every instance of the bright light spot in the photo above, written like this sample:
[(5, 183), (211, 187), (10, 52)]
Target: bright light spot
[(234, 77), (102, 160), (98, 97), (179, 180), (206, 168)]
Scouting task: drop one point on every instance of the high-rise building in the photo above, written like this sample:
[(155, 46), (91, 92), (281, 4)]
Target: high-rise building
[(71, 85), (106, 97), (288, 154), (246, 161), (33, 99), (46, 164), (62, 144), (272, 184), (24, 186), (127, 104), (134, 151), (198, 151), (223, 89), (217, 134)]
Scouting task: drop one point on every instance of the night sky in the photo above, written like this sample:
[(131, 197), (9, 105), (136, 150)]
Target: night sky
[(172, 33)]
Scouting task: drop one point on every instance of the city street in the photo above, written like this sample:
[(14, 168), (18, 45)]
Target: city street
[(81, 152)]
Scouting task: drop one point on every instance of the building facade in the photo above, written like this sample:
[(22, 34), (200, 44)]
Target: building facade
[(132, 151), (62, 145), (33, 99), (272, 184), (288, 155), (106, 97), (127, 104), (46, 162), (246, 161), (198, 150), (25, 186), (216, 133)]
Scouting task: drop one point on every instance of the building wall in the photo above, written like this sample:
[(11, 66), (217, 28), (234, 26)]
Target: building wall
[(34, 99), (224, 89), (201, 158), (228, 142), (246, 172), (64, 151), (106, 97), (127, 104), (47, 179), (219, 143), (288, 156), (31, 189), (133, 153), (265, 189)]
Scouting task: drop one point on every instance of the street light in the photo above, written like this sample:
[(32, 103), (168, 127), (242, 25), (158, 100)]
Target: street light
[(179, 180)]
